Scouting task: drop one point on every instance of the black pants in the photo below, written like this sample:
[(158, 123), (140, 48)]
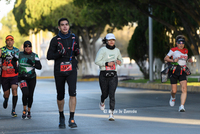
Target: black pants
[(108, 87), (27, 92), (60, 84)]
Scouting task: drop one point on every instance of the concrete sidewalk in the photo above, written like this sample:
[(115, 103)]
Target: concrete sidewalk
[(156, 86)]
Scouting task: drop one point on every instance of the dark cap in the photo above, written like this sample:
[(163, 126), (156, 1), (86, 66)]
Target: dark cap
[(180, 37), (27, 43)]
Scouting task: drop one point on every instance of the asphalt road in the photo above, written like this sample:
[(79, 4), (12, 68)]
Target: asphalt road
[(138, 111)]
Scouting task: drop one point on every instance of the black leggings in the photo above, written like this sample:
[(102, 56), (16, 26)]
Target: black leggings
[(108, 87), (60, 84), (27, 92)]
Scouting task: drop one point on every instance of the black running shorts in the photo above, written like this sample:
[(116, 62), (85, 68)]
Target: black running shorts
[(60, 84), (175, 77), (7, 82)]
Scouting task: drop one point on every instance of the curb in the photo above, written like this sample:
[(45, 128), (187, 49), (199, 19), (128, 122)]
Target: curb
[(156, 86), (45, 77), (88, 79)]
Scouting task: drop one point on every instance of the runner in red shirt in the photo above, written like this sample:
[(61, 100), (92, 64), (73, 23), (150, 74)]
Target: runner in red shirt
[(178, 71), (9, 73)]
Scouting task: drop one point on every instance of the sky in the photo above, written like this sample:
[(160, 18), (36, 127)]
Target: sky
[(5, 8)]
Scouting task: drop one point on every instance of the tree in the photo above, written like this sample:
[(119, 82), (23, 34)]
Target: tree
[(138, 48), (10, 28), (187, 15), (41, 15), (161, 42), (173, 15), (138, 45)]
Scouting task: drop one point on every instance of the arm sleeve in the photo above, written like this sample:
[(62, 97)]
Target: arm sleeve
[(99, 58), (119, 57), (76, 47), (52, 52), (38, 64)]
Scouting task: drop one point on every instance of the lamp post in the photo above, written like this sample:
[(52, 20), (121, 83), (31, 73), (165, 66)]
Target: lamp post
[(150, 47)]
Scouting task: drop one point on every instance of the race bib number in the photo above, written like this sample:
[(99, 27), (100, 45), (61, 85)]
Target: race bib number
[(23, 84), (110, 67), (65, 66)]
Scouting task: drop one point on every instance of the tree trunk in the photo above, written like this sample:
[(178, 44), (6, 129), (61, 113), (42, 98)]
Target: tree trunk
[(143, 68), (87, 45)]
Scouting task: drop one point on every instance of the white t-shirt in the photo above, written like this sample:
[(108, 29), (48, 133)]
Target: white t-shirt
[(181, 54)]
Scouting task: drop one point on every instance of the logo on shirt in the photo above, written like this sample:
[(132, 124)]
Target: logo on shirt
[(183, 57), (111, 56)]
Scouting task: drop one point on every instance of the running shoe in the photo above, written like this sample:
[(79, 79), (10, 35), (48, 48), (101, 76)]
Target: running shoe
[(5, 104), (181, 109), (28, 115), (24, 114), (62, 122), (72, 123), (13, 113), (172, 101), (111, 117), (101, 106)]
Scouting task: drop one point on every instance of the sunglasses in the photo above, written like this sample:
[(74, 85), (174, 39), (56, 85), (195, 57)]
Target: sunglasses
[(181, 42), (27, 45)]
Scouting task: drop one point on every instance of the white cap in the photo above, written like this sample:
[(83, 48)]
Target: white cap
[(110, 36)]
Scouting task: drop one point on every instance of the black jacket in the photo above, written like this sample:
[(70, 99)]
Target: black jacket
[(53, 53)]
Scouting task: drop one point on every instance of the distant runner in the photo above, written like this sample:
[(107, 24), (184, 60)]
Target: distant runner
[(107, 59), (178, 71)]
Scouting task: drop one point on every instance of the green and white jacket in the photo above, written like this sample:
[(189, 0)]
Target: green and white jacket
[(26, 68)]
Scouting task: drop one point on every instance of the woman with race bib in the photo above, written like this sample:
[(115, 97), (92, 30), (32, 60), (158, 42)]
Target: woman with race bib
[(178, 71), (107, 59), (28, 62)]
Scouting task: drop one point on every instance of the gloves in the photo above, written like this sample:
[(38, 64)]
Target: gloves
[(61, 49), (15, 66), (77, 52), (76, 49), (23, 75), (30, 62)]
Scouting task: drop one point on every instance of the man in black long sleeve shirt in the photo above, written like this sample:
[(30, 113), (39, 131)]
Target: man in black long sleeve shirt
[(63, 49)]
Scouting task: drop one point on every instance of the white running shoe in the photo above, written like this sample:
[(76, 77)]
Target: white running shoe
[(181, 108), (172, 101), (111, 117), (101, 106)]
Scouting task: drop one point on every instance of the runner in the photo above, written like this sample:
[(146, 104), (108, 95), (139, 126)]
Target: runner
[(178, 71), (9, 73), (28, 62), (107, 59), (63, 49)]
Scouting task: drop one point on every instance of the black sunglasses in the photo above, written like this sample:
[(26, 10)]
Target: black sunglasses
[(181, 42), (27, 45)]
